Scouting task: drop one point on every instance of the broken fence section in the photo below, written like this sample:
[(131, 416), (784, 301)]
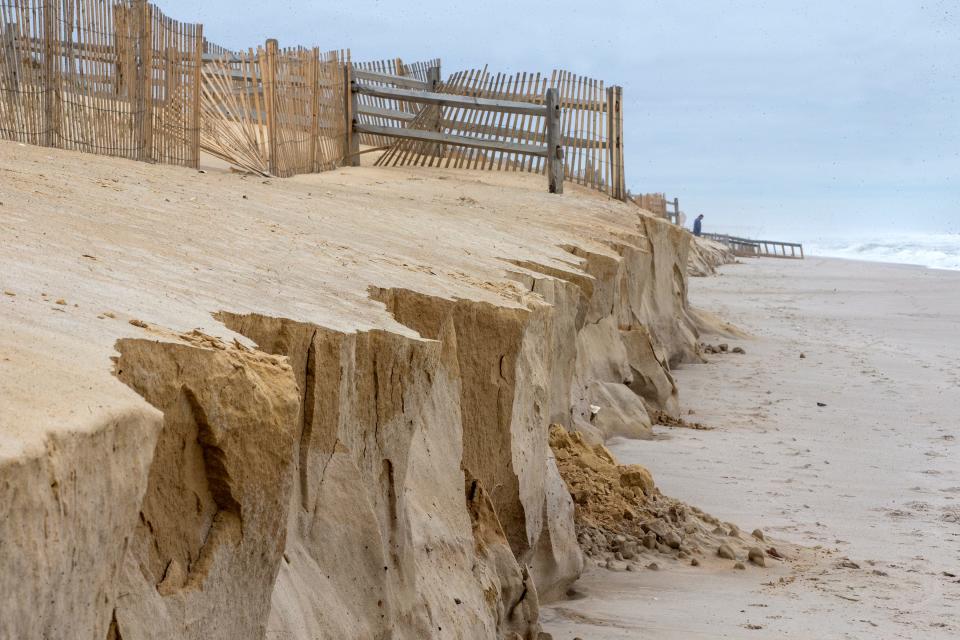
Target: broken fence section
[(275, 111), (379, 111), (590, 132)]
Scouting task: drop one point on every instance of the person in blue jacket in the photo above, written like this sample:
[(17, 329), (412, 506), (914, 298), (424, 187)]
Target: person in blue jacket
[(697, 225)]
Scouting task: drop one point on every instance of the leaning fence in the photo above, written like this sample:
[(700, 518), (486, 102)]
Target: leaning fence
[(380, 111), (112, 78), (275, 111), (591, 129), (430, 133)]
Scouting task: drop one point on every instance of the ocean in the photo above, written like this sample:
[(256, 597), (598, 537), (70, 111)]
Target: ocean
[(933, 250)]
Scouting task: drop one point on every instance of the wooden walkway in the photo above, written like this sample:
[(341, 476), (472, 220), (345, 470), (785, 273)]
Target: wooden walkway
[(746, 247)]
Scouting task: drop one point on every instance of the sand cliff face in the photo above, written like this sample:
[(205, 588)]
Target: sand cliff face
[(322, 480), (706, 255)]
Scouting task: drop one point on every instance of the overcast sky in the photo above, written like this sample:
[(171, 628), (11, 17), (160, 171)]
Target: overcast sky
[(805, 118)]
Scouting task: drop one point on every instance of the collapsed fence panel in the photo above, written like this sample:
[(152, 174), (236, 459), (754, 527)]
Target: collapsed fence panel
[(273, 111), (591, 128), (112, 78), (381, 111)]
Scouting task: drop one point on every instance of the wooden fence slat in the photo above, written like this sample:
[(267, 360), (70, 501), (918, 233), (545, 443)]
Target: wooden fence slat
[(458, 140), (448, 100)]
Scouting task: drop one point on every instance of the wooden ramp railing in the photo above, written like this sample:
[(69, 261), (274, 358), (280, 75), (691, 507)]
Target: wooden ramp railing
[(746, 247)]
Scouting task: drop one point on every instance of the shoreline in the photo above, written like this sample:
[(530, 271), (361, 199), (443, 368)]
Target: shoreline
[(883, 262), (867, 478)]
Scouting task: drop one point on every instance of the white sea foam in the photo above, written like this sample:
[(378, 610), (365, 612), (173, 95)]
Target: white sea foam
[(933, 250)]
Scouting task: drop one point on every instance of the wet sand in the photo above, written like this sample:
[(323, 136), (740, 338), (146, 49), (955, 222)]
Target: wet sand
[(872, 478)]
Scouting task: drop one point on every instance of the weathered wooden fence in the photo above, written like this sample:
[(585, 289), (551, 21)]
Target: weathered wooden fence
[(118, 77), (590, 134), (273, 111), (673, 214), (113, 78), (385, 111), (429, 133), (655, 203)]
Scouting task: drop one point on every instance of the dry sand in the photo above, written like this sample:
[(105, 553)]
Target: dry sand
[(390, 478), (872, 476)]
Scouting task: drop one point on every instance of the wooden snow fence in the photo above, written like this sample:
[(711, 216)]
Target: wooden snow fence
[(275, 111), (111, 78), (381, 111), (429, 132), (590, 129), (119, 78), (655, 203)]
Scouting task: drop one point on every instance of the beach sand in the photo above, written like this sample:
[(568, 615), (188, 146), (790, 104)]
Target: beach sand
[(872, 477)]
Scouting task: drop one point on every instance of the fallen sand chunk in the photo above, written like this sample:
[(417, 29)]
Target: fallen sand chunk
[(755, 555), (666, 420), (725, 552), (621, 516)]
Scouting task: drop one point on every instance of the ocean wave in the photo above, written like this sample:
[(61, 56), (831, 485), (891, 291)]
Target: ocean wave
[(936, 251)]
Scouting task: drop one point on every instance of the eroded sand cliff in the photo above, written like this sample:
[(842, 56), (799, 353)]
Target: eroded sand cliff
[(316, 407)]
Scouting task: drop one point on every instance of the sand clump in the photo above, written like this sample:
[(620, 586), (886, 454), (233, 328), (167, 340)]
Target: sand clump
[(706, 255), (622, 519), (665, 419), (720, 348)]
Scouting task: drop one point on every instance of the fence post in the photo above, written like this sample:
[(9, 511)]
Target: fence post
[(50, 23), (144, 52), (269, 80), (615, 141), (433, 80), (352, 147), (314, 108), (554, 149), (197, 97)]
